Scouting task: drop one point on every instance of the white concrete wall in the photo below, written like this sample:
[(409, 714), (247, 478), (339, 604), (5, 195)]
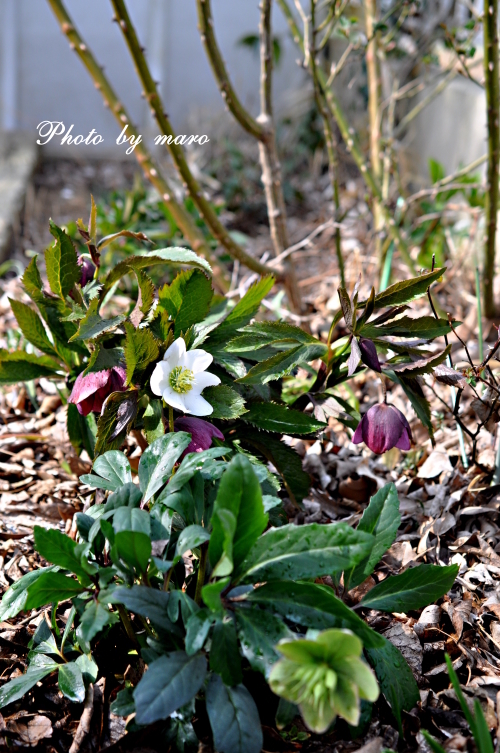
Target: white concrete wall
[(42, 79)]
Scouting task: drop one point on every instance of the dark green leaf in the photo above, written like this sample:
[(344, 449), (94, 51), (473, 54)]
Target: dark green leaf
[(407, 290), (282, 363), (132, 519), (421, 365), (187, 299), (234, 718), (169, 683), (134, 548), (415, 395), (71, 682), (148, 602), (61, 262), (123, 705), (197, 629), (381, 518), (281, 419), (59, 549), (95, 617), (244, 310), (190, 538), (259, 631), (315, 606), (112, 469), (238, 518), (226, 402), (190, 465), (157, 461), (51, 588), (14, 598), (104, 358), (128, 495), (425, 327), (22, 367), (296, 552), (153, 421), (92, 325), (19, 686), (224, 652), (82, 430), (395, 677), (141, 349), (415, 588), (285, 460), (32, 327)]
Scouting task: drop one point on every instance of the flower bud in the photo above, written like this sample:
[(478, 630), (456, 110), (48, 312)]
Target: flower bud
[(202, 433), (369, 354), (89, 392)]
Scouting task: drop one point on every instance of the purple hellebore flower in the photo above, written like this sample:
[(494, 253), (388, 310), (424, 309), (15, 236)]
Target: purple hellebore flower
[(89, 392), (369, 354), (201, 432), (382, 428), (88, 270)]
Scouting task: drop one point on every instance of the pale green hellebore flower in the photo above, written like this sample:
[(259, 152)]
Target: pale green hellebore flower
[(325, 677)]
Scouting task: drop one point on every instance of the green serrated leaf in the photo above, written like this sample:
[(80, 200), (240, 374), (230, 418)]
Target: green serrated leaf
[(59, 549), (169, 683), (224, 652), (381, 518), (425, 327), (146, 290), (51, 587), (32, 327), (406, 290), (141, 349), (421, 365), (61, 262), (22, 367), (281, 419), (282, 363), (234, 718), (244, 310), (285, 460), (226, 402), (92, 325), (238, 518), (187, 299), (104, 358), (416, 587), (308, 551), (175, 255)]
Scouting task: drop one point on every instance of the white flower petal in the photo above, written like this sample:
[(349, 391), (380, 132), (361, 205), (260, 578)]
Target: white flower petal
[(174, 354), (205, 379), (174, 399), (159, 378), (197, 360), (196, 404)]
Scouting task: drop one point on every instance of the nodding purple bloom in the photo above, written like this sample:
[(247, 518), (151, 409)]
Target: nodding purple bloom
[(382, 428), (89, 392), (88, 270), (202, 433), (369, 354)]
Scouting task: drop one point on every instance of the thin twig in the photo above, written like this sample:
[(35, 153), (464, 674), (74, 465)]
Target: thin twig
[(352, 143), (152, 96), (150, 168)]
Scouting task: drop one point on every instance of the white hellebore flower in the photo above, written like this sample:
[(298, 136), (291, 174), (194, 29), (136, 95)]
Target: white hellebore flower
[(180, 378)]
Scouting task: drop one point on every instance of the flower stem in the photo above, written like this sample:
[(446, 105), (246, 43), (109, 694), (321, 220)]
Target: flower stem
[(170, 419), (200, 581)]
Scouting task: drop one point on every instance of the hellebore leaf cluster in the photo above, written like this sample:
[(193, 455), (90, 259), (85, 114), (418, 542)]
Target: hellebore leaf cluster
[(184, 570)]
